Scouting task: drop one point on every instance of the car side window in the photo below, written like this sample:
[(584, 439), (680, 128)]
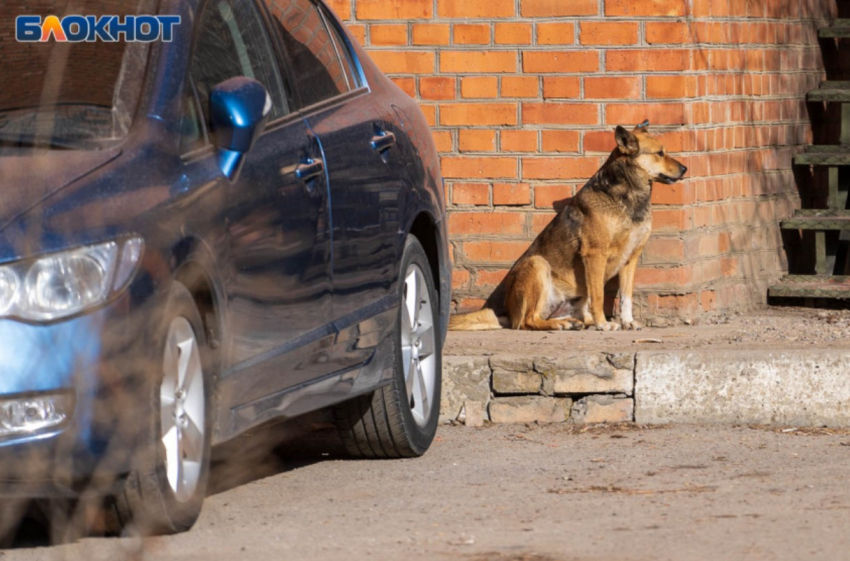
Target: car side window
[(320, 64), (232, 41)]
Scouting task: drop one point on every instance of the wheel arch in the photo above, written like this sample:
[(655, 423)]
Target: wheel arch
[(425, 230)]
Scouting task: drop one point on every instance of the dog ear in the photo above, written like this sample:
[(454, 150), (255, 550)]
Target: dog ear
[(626, 141)]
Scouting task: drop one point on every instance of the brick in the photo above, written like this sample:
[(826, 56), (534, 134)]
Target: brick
[(476, 9), (678, 276), (560, 141), (664, 32), (639, 60), (552, 196), (402, 9), (530, 409), (520, 86), (490, 279), (542, 62), (608, 33), (388, 34), (472, 167), (643, 8), (472, 34), (469, 305), (430, 113), (675, 194), (561, 87), (359, 32), (513, 33), (434, 87), (430, 34), (408, 85), (612, 88), (460, 278), (560, 114), (595, 409), (442, 140), (484, 62), (663, 251), (518, 141), (404, 62), (478, 114), (559, 168), (471, 194), (634, 113), (486, 223), (476, 140), (494, 251), (511, 194), (482, 87), (671, 87), (555, 33), (597, 141), (558, 8), (540, 220), (341, 8), (678, 219)]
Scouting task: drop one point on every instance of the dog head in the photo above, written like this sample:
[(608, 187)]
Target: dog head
[(648, 154)]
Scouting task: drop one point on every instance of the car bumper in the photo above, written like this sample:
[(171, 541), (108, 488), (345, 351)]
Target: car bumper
[(98, 358)]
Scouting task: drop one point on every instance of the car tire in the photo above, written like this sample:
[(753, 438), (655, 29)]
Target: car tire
[(165, 491), (400, 419)]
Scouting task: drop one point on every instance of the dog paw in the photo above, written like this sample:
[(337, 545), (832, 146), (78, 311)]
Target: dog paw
[(631, 325), (608, 326)]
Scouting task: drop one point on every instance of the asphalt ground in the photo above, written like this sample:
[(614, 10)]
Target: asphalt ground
[(515, 493)]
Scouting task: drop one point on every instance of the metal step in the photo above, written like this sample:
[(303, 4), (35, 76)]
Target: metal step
[(831, 155), (831, 92), (811, 286), (839, 28), (817, 220)]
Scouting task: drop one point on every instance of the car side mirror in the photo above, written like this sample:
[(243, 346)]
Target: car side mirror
[(239, 110)]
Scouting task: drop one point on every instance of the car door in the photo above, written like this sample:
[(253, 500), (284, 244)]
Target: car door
[(277, 218), (364, 188)]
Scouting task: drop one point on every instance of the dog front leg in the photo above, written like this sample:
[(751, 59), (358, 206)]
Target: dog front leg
[(627, 286), (594, 270)]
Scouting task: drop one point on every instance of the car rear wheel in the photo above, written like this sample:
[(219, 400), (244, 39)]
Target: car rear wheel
[(400, 420), (165, 493)]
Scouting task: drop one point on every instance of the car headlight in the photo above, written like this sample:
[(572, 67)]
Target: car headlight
[(64, 284), (29, 414)]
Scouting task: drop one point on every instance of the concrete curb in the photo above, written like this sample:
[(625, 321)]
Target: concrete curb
[(803, 388)]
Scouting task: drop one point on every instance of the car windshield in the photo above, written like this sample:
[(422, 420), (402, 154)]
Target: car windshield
[(69, 95)]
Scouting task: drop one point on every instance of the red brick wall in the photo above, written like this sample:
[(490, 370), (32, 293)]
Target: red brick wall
[(523, 96)]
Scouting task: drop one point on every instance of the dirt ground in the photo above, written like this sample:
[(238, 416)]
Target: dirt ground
[(521, 493), (770, 328)]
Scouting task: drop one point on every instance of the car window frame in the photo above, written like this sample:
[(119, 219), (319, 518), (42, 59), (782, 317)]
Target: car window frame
[(283, 60), (208, 146)]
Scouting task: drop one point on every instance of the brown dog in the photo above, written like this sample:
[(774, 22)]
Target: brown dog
[(599, 234)]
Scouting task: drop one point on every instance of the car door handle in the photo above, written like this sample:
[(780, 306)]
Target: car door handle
[(383, 142), (310, 170)]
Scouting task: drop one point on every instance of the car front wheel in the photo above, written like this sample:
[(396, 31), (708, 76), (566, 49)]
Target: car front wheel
[(165, 493)]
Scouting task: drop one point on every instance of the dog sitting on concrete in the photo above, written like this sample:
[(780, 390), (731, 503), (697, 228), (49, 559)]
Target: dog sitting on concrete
[(601, 233)]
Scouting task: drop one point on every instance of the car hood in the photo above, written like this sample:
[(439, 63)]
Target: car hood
[(31, 177)]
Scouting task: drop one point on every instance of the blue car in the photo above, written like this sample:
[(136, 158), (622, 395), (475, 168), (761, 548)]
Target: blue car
[(237, 225)]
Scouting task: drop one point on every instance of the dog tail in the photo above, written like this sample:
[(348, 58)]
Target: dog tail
[(482, 320)]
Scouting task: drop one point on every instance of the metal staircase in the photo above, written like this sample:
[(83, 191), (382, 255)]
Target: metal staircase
[(830, 227)]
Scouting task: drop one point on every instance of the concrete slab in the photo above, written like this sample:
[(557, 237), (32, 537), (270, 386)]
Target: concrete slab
[(781, 367), (801, 388)]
